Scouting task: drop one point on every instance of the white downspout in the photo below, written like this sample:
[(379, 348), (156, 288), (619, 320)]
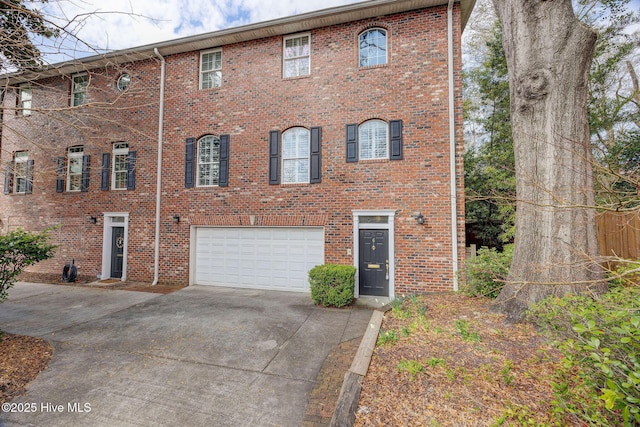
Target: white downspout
[(156, 259), (452, 149)]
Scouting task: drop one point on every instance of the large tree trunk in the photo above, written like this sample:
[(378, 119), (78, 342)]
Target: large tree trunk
[(549, 54)]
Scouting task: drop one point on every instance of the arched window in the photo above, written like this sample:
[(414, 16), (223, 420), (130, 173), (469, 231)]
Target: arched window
[(373, 140), (208, 160), (372, 45), (295, 156)]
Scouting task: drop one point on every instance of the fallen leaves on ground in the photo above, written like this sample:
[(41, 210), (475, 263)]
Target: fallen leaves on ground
[(446, 360), (22, 358)]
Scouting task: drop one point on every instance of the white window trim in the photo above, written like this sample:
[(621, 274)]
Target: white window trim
[(386, 52), (389, 225), (283, 158), (360, 145), (74, 155), (118, 152), (114, 219), (73, 91), (202, 72), (22, 158), (23, 89), (285, 59), (197, 158)]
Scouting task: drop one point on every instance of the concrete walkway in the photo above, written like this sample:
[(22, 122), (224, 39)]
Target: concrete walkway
[(201, 356)]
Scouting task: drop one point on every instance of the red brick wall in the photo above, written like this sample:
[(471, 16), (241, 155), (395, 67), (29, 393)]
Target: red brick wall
[(253, 100)]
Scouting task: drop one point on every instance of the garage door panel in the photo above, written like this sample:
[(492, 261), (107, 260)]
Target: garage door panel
[(262, 258)]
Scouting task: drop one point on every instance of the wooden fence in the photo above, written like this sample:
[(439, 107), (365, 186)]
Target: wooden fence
[(619, 234)]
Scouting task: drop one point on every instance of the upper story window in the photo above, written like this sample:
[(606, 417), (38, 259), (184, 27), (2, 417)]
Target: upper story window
[(208, 160), (25, 96), (295, 156), (373, 140), (74, 168), (79, 85), (297, 55), (211, 69), (18, 178), (124, 81), (20, 172), (372, 47), (120, 175)]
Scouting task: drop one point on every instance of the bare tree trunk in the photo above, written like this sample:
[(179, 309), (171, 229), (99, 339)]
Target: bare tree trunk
[(549, 54)]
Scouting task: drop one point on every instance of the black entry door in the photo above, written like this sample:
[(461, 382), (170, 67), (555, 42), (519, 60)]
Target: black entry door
[(374, 262), (117, 251)]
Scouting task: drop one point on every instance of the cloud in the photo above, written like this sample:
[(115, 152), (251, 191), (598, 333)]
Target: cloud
[(101, 25)]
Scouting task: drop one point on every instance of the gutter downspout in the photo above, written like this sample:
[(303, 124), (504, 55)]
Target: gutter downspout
[(156, 259), (452, 149)]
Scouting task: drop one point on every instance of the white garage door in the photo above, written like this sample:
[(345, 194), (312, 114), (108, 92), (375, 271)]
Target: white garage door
[(260, 257)]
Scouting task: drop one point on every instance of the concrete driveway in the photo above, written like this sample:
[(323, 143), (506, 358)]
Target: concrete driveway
[(202, 356)]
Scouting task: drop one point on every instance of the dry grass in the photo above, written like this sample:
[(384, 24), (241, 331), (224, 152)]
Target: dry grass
[(455, 363)]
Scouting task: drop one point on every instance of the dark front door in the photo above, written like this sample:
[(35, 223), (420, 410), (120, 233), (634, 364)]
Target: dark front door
[(374, 262), (117, 251)]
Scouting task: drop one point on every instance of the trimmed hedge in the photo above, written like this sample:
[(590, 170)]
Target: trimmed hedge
[(332, 284)]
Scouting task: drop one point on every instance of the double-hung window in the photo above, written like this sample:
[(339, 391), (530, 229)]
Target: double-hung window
[(211, 69), (79, 85), (297, 55), (295, 156), (372, 47), (118, 168), (74, 168), (208, 160), (120, 173), (18, 177), (25, 96)]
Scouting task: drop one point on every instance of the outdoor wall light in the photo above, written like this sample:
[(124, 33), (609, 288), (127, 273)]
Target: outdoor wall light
[(93, 219), (176, 218), (419, 218)]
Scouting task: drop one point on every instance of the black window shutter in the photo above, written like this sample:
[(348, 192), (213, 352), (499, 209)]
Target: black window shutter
[(223, 172), (131, 171), (104, 173), (59, 174), (86, 160), (395, 140), (316, 155), (274, 157), (29, 178), (352, 143), (189, 162), (7, 178)]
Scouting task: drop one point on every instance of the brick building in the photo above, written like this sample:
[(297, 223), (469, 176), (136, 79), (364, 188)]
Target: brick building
[(244, 157)]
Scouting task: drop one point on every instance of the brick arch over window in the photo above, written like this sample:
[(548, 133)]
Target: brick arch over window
[(207, 161), (374, 139), (373, 46)]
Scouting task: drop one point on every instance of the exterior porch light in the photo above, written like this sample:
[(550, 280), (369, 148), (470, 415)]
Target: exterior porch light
[(419, 218), (93, 219), (176, 218)]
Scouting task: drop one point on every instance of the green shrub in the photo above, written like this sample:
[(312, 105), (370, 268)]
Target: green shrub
[(599, 338), (20, 249), (487, 272), (332, 285)]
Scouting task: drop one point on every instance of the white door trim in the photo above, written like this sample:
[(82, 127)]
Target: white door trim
[(121, 220), (389, 225)]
